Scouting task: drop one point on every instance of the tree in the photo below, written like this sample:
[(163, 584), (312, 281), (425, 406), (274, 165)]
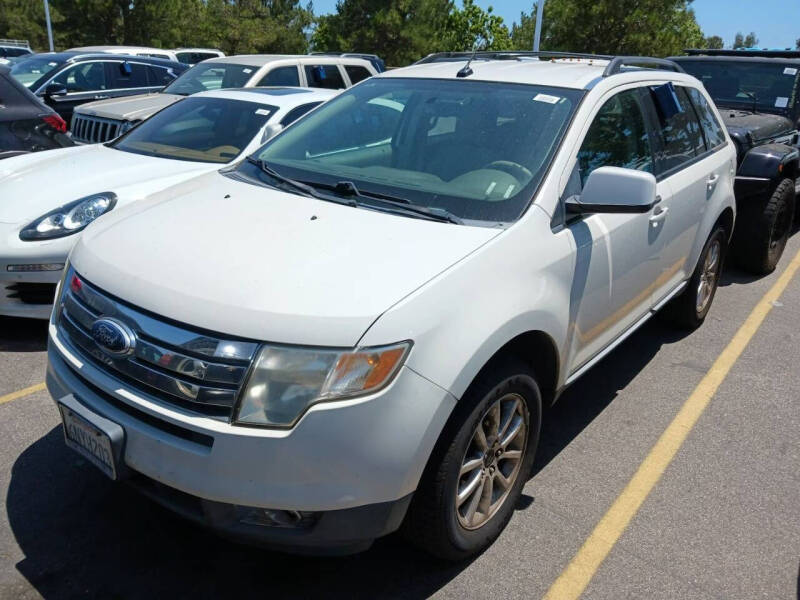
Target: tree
[(741, 41), (522, 33), (651, 27), (400, 31), (797, 44), (713, 42), (473, 28)]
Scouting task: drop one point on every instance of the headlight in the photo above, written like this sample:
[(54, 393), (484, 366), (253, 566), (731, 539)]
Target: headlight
[(285, 381), (70, 218)]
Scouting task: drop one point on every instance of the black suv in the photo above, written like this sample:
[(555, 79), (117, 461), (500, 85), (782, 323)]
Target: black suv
[(65, 80), (756, 92)]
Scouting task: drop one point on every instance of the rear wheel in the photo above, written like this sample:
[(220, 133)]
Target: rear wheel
[(476, 474), (689, 310), (762, 231)]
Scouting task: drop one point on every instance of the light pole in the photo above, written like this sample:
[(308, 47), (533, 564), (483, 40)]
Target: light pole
[(49, 27), (538, 35)]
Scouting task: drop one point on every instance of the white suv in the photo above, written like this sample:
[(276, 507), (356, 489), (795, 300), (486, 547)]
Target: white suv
[(358, 328)]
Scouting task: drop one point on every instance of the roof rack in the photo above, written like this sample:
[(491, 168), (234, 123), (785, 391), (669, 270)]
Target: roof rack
[(745, 52), (615, 65), (15, 43)]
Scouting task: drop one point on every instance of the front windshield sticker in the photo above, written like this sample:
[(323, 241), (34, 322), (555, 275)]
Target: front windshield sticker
[(781, 102), (546, 98), (247, 70), (789, 71), (263, 111)]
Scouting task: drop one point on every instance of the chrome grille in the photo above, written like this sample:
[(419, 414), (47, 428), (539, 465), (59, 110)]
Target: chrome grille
[(94, 130), (175, 364)]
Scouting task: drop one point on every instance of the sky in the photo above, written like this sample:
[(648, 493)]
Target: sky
[(775, 22)]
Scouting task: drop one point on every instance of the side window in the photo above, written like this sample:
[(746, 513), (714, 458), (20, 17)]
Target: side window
[(711, 127), (83, 77), (158, 76), (298, 112), (357, 73), (324, 76), (281, 76), (681, 135), (618, 137), (126, 75)]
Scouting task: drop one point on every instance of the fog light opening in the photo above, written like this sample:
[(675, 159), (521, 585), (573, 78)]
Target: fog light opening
[(35, 267), (270, 517)]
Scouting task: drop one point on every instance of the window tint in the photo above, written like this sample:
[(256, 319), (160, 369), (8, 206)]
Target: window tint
[(681, 135), (711, 127), (298, 112), (83, 77), (281, 76), (16, 51), (126, 75), (618, 137), (356, 73), (192, 58), (324, 76), (198, 129), (159, 76)]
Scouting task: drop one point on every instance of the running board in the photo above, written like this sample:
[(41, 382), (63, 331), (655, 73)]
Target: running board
[(625, 335)]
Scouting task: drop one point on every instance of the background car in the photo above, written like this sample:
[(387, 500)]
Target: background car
[(104, 120), (131, 51), (192, 56), (27, 125), (757, 94), (39, 223), (14, 48), (376, 60), (65, 80)]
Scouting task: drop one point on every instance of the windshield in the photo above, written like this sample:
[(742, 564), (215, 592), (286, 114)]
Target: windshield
[(198, 129), (32, 72), (477, 150), (211, 76), (731, 83)]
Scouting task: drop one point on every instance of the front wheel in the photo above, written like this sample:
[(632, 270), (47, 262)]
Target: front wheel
[(689, 310), (475, 476)]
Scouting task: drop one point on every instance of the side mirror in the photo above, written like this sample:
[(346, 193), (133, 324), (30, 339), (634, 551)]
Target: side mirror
[(615, 190), (271, 131), (55, 89)]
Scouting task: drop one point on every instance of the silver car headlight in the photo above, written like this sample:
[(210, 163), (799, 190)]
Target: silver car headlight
[(70, 218), (286, 380)]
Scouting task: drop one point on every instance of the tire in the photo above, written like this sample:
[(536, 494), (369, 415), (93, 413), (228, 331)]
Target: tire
[(761, 236), (436, 521), (689, 310)]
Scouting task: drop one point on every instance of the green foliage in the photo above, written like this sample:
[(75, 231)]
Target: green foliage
[(647, 27), (713, 42), (473, 28), (742, 41), (234, 26)]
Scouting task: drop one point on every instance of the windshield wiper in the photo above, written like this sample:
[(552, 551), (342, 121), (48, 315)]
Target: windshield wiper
[(307, 190), (349, 189)]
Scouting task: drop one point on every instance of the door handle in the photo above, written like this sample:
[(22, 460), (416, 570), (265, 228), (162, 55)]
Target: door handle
[(712, 181), (101, 97), (659, 215)]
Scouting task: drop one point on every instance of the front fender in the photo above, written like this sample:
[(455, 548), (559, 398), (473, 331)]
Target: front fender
[(763, 167)]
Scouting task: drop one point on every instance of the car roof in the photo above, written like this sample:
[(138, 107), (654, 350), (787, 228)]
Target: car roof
[(743, 58), (260, 60), (117, 48), (575, 73), (76, 56), (285, 97)]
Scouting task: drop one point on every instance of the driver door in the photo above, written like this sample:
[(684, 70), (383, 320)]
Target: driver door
[(617, 254)]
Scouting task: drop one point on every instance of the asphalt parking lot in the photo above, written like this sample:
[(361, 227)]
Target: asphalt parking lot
[(720, 519)]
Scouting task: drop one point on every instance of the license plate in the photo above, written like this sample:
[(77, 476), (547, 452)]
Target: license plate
[(88, 441)]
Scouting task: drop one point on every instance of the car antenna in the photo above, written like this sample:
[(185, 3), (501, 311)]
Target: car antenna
[(465, 70)]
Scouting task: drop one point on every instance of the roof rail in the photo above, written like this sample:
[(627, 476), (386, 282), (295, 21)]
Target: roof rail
[(620, 62), (745, 52), (16, 43), (506, 55)]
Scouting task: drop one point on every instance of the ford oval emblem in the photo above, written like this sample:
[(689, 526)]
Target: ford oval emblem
[(113, 337)]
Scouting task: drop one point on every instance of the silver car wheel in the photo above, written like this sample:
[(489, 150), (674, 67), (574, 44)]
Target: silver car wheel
[(708, 276), (491, 464)]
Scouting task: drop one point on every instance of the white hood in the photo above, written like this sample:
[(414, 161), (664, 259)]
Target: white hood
[(266, 264), (34, 184)]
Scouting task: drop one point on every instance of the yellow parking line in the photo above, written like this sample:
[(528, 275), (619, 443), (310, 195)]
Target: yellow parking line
[(22, 393), (579, 572)]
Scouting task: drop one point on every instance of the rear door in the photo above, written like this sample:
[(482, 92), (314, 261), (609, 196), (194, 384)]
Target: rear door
[(693, 169), (128, 78)]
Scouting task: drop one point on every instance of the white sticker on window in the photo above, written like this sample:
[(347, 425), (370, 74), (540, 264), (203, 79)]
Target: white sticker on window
[(546, 98), (781, 102), (247, 70), (52, 64), (262, 111), (790, 71)]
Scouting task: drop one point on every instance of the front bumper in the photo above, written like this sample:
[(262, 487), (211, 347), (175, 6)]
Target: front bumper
[(355, 462)]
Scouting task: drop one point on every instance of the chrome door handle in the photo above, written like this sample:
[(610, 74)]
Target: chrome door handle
[(712, 181), (659, 215)]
